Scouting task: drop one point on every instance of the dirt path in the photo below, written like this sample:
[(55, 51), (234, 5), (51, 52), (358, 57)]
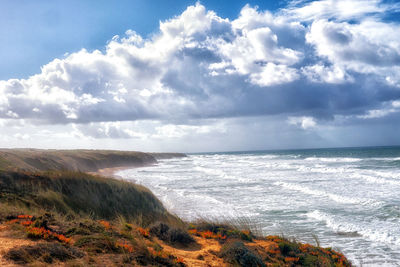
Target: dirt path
[(8, 241), (201, 256)]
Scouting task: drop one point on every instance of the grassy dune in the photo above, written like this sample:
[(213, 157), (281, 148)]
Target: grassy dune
[(75, 160), (80, 194), (52, 212)]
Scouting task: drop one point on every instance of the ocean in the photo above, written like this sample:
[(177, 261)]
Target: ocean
[(349, 198)]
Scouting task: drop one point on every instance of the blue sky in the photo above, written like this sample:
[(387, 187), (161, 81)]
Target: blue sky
[(199, 76), (35, 32)]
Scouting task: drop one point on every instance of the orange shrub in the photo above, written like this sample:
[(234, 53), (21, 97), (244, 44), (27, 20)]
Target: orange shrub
[(179, 260), (26, 223), (155, 253), (125, 246), (292, 259), (273, 249), (24, 216), (143, 232), (105, 224), (36, 232), (193, 231), (207, 234), (13, 221)]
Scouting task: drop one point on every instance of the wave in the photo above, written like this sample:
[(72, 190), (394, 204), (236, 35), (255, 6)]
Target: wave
[(374, 179), (322, 169), (334, 197), (213, 172), (333, 159), (376, 233)]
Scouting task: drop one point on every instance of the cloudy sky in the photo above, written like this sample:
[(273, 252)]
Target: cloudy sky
[(199, 76)]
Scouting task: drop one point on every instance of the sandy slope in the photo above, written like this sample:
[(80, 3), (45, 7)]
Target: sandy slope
[(8, 241)]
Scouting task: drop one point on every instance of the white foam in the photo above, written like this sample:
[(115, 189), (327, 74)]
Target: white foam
[(372, 231), (374, 179), (334, 197), (275, 189), (333, 159)]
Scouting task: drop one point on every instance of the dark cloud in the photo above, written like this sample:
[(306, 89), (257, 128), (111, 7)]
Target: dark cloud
[(306, 65)]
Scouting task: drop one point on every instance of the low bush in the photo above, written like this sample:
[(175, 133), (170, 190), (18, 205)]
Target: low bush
[(171, 234), (98, 244), (238, 254), (45, 252), (220, 231), (86, 227)]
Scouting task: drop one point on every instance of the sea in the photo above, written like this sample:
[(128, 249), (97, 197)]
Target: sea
[(344, 198)]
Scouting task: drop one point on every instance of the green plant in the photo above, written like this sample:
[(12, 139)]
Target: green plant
[(45, 252), (238, 254), (171, 234)]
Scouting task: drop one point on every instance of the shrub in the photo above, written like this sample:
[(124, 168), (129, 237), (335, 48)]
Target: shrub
[(45, 252), (219, 231), (85, 228), (98, 244), (170, 234), (238, 254)]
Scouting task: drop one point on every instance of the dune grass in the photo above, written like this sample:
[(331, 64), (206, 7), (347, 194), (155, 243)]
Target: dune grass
[(81, 194), (73, 160)]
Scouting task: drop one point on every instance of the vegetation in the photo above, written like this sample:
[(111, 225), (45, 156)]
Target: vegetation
[(220, 231), (80, 219), (80, 194), (238, 254), (75, 160), (43, 252), (171, 235)]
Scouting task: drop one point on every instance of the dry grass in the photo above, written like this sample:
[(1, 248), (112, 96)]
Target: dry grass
[(80, 194), (75, 160), (44, 252)]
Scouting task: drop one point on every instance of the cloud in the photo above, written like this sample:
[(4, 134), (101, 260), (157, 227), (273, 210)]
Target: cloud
[(338, 9), (303, 122), (311, 61)]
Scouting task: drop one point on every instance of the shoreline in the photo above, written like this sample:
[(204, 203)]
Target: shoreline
[(111, 172)]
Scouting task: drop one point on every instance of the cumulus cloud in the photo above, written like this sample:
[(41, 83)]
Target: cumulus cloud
[(308, 62), (303, 122), (340, 10)]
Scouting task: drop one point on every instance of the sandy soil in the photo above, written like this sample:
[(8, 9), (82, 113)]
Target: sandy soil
[(8, 241), (206, 250), (204, 254)]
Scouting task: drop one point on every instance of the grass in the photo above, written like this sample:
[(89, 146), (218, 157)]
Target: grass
[(43, 252), (80, 194), (127, 244), (221, 230), (75, 160)]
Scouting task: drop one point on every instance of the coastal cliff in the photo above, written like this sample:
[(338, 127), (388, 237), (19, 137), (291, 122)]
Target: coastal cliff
[(76, 160), (52, 211)]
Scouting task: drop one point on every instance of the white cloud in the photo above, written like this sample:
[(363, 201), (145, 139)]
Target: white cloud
[(167, 76), (186, 70), (369, 47), (338, 9), (303, 122), (327, 74), (388, 108), (316, 61)]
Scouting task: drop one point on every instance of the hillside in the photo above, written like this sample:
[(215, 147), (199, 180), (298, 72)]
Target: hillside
[(53, 212), (76, 160)]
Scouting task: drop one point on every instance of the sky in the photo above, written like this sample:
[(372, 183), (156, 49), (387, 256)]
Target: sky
[(189, 76)]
